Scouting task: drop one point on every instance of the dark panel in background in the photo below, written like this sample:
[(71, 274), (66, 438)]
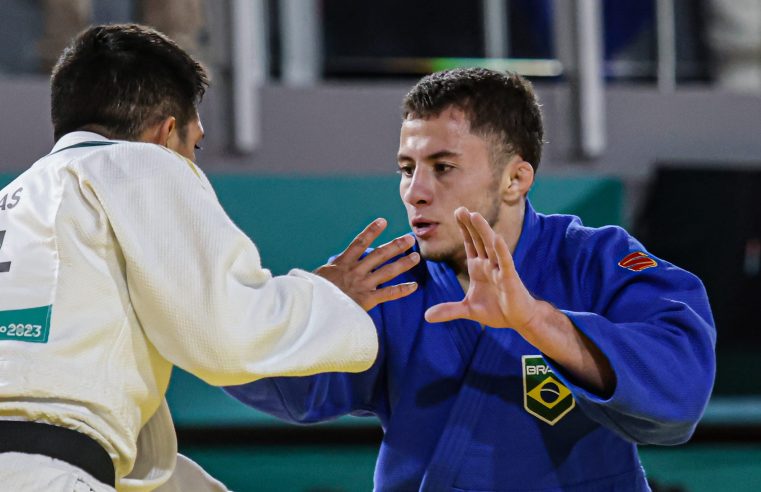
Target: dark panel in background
[(400, 28), (708, 220)]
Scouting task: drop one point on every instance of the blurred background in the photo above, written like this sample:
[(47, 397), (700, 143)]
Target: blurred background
[(652, 111)]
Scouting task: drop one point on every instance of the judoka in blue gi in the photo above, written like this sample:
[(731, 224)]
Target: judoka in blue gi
[(537, 353)]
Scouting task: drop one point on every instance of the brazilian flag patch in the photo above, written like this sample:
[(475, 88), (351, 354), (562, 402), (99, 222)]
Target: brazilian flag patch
[(544, 396)]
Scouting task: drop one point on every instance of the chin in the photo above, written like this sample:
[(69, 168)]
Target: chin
[(441, 254)]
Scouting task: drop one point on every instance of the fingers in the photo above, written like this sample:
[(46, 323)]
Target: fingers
[(504, 258), (465, 218), (446, 311), (461, 215), (363, 241), (391, 293), (486, 234), (393, 270), (482, 238), (384, 253), (359, 279)]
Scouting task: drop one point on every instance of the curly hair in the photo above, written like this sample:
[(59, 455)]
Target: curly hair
[(500, 106)]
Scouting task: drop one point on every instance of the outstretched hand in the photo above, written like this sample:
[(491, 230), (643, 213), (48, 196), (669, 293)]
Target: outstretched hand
[(496, 295), (497, 298), (360, 277)]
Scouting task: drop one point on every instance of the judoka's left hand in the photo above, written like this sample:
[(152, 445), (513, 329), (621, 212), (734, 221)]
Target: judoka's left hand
[(359, 276), (496, 295), (498, 298)]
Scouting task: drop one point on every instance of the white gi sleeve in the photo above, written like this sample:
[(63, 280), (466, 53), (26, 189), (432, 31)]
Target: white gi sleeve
[(197, 286)]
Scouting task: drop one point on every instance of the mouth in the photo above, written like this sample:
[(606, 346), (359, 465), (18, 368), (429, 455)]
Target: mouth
[(423, 228)]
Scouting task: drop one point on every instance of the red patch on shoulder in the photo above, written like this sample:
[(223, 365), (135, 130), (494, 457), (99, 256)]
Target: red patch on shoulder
[(637, 262)]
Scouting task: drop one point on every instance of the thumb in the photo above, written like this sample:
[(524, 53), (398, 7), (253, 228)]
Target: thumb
[(446, 311)]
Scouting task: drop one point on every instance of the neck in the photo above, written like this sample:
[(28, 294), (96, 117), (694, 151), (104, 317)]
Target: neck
[(509, 225)]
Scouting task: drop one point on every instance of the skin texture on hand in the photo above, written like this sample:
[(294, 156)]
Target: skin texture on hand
[(497, 297), (360, 277)]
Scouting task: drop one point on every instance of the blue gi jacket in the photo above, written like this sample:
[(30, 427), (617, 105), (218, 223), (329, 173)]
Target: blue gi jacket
[(471, 408)]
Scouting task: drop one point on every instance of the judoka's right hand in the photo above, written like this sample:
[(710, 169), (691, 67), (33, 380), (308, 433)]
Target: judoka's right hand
[(359, 277)]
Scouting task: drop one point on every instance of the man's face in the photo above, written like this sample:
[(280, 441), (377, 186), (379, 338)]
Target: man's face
[(193, 135), (443, 166)]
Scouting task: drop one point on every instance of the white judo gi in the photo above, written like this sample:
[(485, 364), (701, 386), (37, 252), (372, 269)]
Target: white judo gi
[(117, 262)]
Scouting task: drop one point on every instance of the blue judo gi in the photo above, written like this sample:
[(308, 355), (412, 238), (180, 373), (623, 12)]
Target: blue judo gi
[(471, 408)]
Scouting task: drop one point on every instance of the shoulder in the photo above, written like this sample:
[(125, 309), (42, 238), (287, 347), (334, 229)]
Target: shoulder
[(572, 238), (139, 155), (598, 253), (125, 162), (612, 256)]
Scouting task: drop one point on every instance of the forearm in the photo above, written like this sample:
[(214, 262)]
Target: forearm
[(291, 325), (555, 335), (664, 369), (310, 399)]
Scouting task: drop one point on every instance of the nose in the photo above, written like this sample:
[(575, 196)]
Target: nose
[(419, 189)]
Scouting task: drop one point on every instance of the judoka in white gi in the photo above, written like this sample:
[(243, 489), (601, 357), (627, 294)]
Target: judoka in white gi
[(117, 262)]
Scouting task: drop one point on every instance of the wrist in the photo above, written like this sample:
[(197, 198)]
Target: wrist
[(544, 326), (536, 322)]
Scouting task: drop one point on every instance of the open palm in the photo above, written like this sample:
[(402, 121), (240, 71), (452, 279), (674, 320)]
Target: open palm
[(496, 295)]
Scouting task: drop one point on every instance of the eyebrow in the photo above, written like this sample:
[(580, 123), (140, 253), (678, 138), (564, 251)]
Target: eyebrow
[(432, 157)]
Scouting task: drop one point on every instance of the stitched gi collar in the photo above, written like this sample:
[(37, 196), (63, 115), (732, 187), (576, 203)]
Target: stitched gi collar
[(76, 138)]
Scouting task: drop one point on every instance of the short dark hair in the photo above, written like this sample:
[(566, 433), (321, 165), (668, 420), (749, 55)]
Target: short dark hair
[(124, 78), (498, 105)]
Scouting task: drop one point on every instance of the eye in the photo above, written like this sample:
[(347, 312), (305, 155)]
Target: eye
[(406, 170), (442, 167)]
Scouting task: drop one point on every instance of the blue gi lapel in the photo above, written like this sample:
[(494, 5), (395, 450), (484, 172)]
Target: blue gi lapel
[(457, 434), (487, 356), (446, 288), (436, 360)]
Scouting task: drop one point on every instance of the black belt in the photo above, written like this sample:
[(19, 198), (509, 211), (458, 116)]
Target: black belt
[(60, 443)]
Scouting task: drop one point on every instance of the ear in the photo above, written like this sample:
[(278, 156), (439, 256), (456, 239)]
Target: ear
[(517, 179), (160, 132)]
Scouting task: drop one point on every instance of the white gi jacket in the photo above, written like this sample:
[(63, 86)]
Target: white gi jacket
[(116, 262)]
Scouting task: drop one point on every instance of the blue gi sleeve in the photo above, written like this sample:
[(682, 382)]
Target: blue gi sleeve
[(653, 322), (320, 397)]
